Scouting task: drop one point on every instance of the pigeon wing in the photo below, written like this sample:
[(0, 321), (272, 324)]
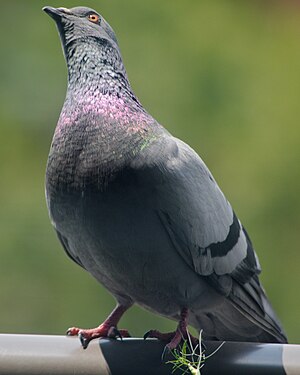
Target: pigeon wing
[(204, 229), (198, 218)]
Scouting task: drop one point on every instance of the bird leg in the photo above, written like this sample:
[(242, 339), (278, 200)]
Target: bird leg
[(107, 329), (174, 338)]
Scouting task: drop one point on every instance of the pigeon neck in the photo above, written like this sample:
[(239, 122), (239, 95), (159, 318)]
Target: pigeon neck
[(96, 66)]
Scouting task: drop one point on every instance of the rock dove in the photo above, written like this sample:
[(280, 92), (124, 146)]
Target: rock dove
[(138, 208)]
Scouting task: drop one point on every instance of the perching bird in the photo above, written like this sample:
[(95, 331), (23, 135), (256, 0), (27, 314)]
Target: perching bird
[(139, 209)]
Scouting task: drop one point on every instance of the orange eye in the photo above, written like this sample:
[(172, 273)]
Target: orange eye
[(93, 18)]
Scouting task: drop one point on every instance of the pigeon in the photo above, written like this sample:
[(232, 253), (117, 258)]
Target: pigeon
[(139, 210)]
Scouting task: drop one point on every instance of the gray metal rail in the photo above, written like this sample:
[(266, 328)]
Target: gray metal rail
[(35, 354)]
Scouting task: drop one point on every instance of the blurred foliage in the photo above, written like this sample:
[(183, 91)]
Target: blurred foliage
[(222, 75)]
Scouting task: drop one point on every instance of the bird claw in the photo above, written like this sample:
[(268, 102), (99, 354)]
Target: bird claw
[(114, 333), (84, 340), (155, 334), (73, 331), (147, 334)]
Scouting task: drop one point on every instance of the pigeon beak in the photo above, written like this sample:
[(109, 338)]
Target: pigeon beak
[(56, 13)]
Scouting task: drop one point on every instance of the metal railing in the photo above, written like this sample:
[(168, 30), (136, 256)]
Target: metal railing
[(37, 354)]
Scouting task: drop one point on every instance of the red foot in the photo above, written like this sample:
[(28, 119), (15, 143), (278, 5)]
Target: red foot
[(107, 329), (104, 330), (174, 338)]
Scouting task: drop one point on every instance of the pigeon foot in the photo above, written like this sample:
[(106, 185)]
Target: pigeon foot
[(173, 339), (108, 329), (103, 331)]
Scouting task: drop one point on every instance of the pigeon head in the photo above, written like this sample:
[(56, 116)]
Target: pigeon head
[(79, 23), (87, 39)]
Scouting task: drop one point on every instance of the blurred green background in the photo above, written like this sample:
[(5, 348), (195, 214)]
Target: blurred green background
[(222, 75)]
